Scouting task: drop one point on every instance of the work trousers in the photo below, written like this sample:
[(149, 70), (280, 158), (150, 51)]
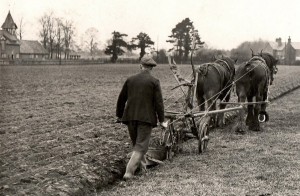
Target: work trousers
[(140, 134)]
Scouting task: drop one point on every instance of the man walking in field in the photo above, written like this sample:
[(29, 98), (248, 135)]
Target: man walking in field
[(139, 105)]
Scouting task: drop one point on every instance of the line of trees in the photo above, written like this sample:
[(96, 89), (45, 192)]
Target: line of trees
[(243, 51), (56, 35), (181, 38)]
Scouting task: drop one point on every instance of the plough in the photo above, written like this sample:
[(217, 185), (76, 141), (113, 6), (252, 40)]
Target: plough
[(188, 120)]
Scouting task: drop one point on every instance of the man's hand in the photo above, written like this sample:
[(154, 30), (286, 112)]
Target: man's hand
[(164, 124)]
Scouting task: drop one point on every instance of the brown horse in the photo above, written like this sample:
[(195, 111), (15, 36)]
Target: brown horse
[(214, 82), (252, 80), (271, 63)]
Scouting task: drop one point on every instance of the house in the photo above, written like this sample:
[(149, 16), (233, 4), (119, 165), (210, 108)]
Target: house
[(286, 52), (30, 49), (12, 48), (278, 49), (292, 52), (74, 55)]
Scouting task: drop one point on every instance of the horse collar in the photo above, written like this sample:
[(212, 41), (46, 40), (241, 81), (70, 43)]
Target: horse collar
[(220, 60)]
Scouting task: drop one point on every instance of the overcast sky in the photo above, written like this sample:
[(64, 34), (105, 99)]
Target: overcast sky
[(223, 24)]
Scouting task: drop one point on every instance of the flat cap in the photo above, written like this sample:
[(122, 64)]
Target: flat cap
[(146, 60)]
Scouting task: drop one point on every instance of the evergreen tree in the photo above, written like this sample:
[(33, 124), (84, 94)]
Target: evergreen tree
[(116, 47), (141, 41), (181, 38)]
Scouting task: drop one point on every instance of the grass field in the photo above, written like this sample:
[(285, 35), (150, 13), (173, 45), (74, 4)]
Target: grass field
[(57, 130), (256, 164)]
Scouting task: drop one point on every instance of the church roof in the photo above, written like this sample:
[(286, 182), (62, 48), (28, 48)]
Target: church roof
[(8, 36), (9, 22), (31, 47)]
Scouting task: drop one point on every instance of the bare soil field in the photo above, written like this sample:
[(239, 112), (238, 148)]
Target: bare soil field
[(57, 130)]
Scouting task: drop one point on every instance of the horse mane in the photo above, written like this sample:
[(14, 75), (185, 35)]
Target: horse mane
[(269, 57)]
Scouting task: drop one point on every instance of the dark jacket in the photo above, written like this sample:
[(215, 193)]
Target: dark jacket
[(141, 99)]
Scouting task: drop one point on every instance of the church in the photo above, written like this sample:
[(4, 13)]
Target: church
[(11, 48)]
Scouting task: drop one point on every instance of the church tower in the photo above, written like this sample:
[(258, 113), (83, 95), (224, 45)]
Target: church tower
[(9, 25), (9, 43)]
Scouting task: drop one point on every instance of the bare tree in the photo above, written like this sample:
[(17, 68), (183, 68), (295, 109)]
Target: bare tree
[(51, 32), (59, 37), (20, 32), (91, 39), (69, 31), (44, 30), (47, 33)]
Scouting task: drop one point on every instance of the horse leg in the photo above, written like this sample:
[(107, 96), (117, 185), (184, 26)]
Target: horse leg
[(257, 107), (240, 126), (212, 106), (272, 77), (249, 118), (201, 103), (221, 120), (263, 112)]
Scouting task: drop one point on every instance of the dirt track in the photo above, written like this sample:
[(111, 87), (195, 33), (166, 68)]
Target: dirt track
[(57, 126)]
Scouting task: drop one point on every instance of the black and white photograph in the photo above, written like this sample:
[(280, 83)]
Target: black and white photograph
[(149, 98)]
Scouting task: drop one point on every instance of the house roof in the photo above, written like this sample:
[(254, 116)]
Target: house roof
[(8, 36), (296, 45), (275, 45), (31, 47), (9, 22)]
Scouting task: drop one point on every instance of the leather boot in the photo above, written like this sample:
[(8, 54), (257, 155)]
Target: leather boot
[(132, 165), (144, 164)]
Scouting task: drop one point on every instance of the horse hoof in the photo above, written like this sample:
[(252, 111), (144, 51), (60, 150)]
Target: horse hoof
[(238, 130), (256, 129)]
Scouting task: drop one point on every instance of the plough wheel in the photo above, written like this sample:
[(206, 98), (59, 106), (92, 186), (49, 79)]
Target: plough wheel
[(203, 137)]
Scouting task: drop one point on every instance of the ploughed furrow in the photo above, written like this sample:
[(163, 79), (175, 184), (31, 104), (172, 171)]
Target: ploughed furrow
[(64, 162)]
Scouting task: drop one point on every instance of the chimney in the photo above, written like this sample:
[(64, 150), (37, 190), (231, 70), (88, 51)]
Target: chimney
[(289, 40), (278, 40)]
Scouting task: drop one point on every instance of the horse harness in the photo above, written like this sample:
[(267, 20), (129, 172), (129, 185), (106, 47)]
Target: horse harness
[(267, 71), (225, 63), (203, 69), (227, 66), (264, 65)]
